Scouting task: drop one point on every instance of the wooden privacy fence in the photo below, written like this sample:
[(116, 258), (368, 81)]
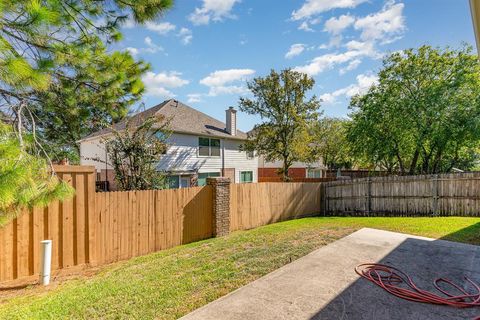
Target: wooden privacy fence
[(257, 204), (67, 224), (443, 195), (296, 179), (133, 223), (93, 229)]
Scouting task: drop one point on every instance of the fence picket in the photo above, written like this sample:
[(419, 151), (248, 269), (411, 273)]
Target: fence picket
[(445, 194)]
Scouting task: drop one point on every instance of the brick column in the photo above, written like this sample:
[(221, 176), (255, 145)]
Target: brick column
[(221, 205)]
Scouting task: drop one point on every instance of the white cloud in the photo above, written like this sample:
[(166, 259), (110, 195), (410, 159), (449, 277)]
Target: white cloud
[(129, 23), (221, 81), (388, 22), (327, 61), (215, 91), (356, 51), (337, 25), (212, 10), (352, 65), (186, 35), (158, 84), (313, 7), (148, 41), (222, 77), (295, 50), (161, 28), (334, 42), (305, 27), (151, 46), (194, 97), (133, 51), (160, 92), (364, 82)]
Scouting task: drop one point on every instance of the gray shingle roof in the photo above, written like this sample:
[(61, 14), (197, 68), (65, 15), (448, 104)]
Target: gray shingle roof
[(5, 118), (183, 119)]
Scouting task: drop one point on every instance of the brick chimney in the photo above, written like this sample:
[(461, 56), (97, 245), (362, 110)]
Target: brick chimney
[(231, 121)]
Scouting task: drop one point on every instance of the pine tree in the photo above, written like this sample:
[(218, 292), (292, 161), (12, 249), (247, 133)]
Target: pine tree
[(58, 76), (24, 180)]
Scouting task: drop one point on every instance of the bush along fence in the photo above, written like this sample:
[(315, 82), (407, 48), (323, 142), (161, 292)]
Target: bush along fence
[(94, 229), (435, 195)]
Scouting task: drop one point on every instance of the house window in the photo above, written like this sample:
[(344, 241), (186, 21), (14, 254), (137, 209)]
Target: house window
[(202, 177), (246, 176), (208, 147), (175, 182), (314, 173)]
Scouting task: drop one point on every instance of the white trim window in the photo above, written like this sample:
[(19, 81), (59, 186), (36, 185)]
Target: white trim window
[(246, 176), (178, 181), (208, 147), (314, 173)]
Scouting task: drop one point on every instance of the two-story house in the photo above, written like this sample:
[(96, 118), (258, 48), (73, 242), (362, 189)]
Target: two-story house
[(199, 147)]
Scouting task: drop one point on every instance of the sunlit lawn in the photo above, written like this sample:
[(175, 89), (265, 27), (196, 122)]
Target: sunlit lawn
[(171, 283)]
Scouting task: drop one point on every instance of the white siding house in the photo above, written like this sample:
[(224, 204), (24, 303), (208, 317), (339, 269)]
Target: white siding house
[(200, 147)]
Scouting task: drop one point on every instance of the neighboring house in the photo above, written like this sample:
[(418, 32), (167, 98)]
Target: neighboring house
[(200, 147), (298, 170)]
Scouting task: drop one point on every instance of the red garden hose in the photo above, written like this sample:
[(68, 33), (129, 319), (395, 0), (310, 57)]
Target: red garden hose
[(390, 279)]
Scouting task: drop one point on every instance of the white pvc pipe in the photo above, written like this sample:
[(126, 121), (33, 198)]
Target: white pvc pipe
[(46, 261)]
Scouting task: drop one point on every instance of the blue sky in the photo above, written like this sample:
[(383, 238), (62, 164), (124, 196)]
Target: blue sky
[(203, 51)]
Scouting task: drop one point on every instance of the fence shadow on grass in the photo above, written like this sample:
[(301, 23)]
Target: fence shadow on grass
[(470, 234)]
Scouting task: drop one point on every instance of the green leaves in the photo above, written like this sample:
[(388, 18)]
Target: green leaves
[(39, 39), (288, 117), (331, 143), (424, 114), (54, 61), (134, 153), (25, 180)]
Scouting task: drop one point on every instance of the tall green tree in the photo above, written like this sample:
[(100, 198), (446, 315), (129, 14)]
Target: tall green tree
[(288, 117), (331, 143), (61, 81), (54, 59), (134, 153), (423, 116)]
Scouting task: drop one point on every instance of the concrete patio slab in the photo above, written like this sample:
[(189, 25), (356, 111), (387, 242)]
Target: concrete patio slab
[(323, 284)]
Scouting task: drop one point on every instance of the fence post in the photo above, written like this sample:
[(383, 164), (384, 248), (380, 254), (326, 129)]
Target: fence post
[(434, 194), (221, 205), (369, 195), (322, 199)]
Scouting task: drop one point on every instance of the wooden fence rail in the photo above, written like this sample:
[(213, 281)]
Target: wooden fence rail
[(100, 228), (442, 195), (67, 224)]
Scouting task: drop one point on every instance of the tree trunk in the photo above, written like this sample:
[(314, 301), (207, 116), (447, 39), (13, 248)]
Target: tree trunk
[(413, 165), (284, 170)]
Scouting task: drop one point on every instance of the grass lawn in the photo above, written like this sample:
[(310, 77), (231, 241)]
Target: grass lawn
[(171, 283)]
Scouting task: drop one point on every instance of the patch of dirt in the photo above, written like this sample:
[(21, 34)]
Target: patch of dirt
[(30, 286)]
